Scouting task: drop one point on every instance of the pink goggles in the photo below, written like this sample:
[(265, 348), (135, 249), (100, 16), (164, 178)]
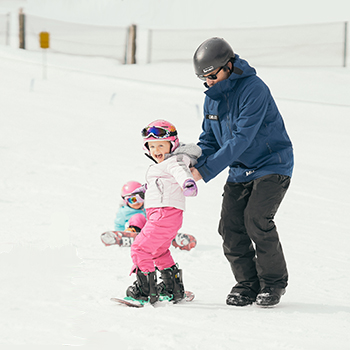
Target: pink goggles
[(158, 132)]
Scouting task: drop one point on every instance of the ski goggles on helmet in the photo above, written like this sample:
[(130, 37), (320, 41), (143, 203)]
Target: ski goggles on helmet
[(210, 76), (158, 132), (134, 199)]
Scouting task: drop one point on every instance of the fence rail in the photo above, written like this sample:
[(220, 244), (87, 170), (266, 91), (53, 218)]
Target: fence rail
[(298, 45), (77, 39)]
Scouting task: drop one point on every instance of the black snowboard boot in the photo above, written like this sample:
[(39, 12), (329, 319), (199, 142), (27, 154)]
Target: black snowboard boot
[(172, 285), (269, 296), (241, 295), (145, 286), (238, 299)]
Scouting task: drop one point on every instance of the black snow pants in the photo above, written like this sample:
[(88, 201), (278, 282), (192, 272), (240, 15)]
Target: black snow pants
[(250, 239)]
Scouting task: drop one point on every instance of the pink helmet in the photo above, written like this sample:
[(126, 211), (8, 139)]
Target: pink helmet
[(160, 130), (137, 220), (129, 187)]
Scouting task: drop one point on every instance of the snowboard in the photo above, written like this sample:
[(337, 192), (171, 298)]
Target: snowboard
[(121, 238), (189, 296), (183, 241)]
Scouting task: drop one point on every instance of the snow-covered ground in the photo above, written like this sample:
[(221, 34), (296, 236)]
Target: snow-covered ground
[(67, 145), (69, 142)]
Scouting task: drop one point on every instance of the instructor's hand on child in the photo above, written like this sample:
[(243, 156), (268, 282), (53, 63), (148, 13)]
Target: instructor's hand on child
[(196, 174)]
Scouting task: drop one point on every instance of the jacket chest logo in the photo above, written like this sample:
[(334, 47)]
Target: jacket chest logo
[(212, 117)]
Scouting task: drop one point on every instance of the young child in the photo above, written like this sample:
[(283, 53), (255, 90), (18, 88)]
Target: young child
[(129, 208), (130, 219), (169, 181)]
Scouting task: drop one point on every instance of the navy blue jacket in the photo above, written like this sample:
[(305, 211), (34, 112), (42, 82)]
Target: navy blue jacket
[(243, 130)]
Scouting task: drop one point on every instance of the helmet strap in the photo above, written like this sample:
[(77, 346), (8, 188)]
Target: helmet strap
[(234, 69), (227, 68), (150, 157)]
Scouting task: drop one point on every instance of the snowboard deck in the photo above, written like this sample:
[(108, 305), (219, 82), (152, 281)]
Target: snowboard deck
[(183, 241), (189, 296)]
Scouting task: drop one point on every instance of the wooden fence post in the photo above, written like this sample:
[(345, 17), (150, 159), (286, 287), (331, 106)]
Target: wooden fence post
[(22, 29), (131, 50), (149, 46), (345, 43), (8, 29)]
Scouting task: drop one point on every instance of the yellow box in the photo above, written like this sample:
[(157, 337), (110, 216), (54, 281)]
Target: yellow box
[(44, 40)]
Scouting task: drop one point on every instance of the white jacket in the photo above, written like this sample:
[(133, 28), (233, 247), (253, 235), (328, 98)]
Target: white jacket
[(165, 180)]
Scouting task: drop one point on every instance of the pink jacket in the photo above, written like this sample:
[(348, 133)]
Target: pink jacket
[(165, 180)]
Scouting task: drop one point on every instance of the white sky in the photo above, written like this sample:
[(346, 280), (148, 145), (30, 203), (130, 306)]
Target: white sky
[(189, 14)]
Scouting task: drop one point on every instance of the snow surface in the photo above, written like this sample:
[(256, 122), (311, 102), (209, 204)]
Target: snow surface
[(68, 143)]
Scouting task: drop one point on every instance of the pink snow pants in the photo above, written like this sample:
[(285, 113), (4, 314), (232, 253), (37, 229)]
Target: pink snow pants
[(151, 246)]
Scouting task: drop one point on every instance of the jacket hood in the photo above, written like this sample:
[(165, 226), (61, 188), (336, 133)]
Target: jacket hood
[(190, 149), (242, 69)]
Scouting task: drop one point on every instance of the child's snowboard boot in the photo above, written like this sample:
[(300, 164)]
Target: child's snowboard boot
[(145, 286), (172, 286)]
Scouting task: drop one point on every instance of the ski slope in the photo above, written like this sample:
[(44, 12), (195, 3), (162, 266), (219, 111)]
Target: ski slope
[(68, 143)]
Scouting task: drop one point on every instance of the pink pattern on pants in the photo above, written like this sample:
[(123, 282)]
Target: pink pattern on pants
[(151, 246)]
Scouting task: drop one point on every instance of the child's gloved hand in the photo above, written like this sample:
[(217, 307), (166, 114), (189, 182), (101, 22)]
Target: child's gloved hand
[(190, 188)]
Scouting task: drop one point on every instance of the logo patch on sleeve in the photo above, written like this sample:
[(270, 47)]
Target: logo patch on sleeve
[(212, 117)]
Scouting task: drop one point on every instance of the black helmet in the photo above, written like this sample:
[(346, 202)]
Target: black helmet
[(212, 54)]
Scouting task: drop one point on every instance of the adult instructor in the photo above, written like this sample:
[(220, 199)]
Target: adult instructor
[(243, 130)]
